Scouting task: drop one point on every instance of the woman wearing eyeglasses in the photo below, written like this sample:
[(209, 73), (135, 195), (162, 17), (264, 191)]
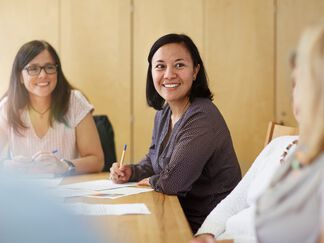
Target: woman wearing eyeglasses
[(47, 124)]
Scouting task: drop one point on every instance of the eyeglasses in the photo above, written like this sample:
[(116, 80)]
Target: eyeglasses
[(35, 70)]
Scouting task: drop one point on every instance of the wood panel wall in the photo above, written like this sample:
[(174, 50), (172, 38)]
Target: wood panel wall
[(292, 17), (104, 44), (239, 48)]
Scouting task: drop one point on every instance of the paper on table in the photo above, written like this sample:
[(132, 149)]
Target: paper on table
[(119, 192), (67, 192), (108, 209), (98, 185)]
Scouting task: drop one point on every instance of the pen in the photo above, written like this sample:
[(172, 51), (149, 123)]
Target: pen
[(122, 157)]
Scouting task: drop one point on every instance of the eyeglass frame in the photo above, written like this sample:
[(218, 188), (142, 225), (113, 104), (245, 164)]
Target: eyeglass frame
[(41, 67)]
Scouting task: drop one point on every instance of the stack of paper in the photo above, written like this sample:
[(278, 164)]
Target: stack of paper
[(108, 209)]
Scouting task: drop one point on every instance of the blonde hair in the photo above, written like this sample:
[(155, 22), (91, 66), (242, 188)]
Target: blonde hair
[(310, 91)]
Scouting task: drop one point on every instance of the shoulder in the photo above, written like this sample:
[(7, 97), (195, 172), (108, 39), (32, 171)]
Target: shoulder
[(206, 109), (79, 107), (205, 112), (281, 142), (78, 96), (203, 105), (78, 100)]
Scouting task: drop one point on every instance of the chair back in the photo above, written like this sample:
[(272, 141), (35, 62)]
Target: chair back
[(277, 130), (107, 139)]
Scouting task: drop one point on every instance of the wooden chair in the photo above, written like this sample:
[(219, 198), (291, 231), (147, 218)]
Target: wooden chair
[(277, 130)]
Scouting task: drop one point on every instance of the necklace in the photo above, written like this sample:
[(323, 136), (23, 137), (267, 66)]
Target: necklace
[(285, 152), (41, 114)]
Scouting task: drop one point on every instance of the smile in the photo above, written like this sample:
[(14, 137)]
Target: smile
[(170, 85), (42, 84)]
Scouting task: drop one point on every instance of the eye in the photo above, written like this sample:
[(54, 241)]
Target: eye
[(50, 67), (179, 65), (159, 66), (32, 68)]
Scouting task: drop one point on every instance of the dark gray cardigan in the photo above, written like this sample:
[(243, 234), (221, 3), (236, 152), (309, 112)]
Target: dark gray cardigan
[(198, 163)]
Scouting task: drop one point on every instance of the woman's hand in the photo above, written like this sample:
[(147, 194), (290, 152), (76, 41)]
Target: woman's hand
[(144, 182), (47, 162), (120, 175)]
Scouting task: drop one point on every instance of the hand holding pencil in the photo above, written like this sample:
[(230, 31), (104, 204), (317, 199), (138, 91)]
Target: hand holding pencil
[(120, 173)]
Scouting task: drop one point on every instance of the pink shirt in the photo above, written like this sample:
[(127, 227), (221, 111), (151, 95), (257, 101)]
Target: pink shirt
[(60, 137)]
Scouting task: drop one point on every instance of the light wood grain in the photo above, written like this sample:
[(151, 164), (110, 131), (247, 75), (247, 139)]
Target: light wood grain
[(293, 16), (165, 224), (23, 21), (239, 59), (96, 56)]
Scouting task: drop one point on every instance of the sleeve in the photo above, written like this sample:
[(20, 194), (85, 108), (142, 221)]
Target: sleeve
[(236, 201), (79, 107), (144, 168), (195, 143)]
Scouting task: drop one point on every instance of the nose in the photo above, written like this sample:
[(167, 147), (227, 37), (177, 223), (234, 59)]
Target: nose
[(169, 73), (42, 73)]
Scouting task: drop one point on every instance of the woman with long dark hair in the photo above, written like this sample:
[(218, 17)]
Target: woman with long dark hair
[(46, 123), (191, 154)]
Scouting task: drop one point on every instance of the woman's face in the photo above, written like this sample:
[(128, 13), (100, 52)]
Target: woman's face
[(173, 73), (42, 84)]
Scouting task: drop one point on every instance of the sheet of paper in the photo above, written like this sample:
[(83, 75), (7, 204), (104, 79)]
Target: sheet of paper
[(119, 192), (67, 192), (108, 209), (98, 185)]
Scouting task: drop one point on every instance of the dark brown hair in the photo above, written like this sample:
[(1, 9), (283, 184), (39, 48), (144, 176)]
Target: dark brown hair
[(18, 97)]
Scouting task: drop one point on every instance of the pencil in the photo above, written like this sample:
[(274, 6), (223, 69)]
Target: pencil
[(122, 156)]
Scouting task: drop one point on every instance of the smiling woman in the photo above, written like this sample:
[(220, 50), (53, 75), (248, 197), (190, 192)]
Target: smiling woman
[(191, 154), (41, 113)]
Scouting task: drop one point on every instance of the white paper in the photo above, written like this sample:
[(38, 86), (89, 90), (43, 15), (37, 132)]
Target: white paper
[(67, 192), (108, 209), (119, 192), (98, 185)]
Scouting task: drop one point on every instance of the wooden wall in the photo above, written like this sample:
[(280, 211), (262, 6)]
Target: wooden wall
[(104, 44)]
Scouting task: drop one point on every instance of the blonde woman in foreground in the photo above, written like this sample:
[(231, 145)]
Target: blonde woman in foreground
[(290, 209)]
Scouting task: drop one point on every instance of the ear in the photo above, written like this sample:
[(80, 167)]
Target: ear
[(196, 70)]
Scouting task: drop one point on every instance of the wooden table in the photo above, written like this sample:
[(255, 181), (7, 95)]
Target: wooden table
[(165, 224)]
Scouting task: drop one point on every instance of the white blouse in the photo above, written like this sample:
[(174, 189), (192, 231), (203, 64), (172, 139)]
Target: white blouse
[(60, 137), (233, 217)]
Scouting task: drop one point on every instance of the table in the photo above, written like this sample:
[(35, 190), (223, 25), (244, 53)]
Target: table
[(165, 224)]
